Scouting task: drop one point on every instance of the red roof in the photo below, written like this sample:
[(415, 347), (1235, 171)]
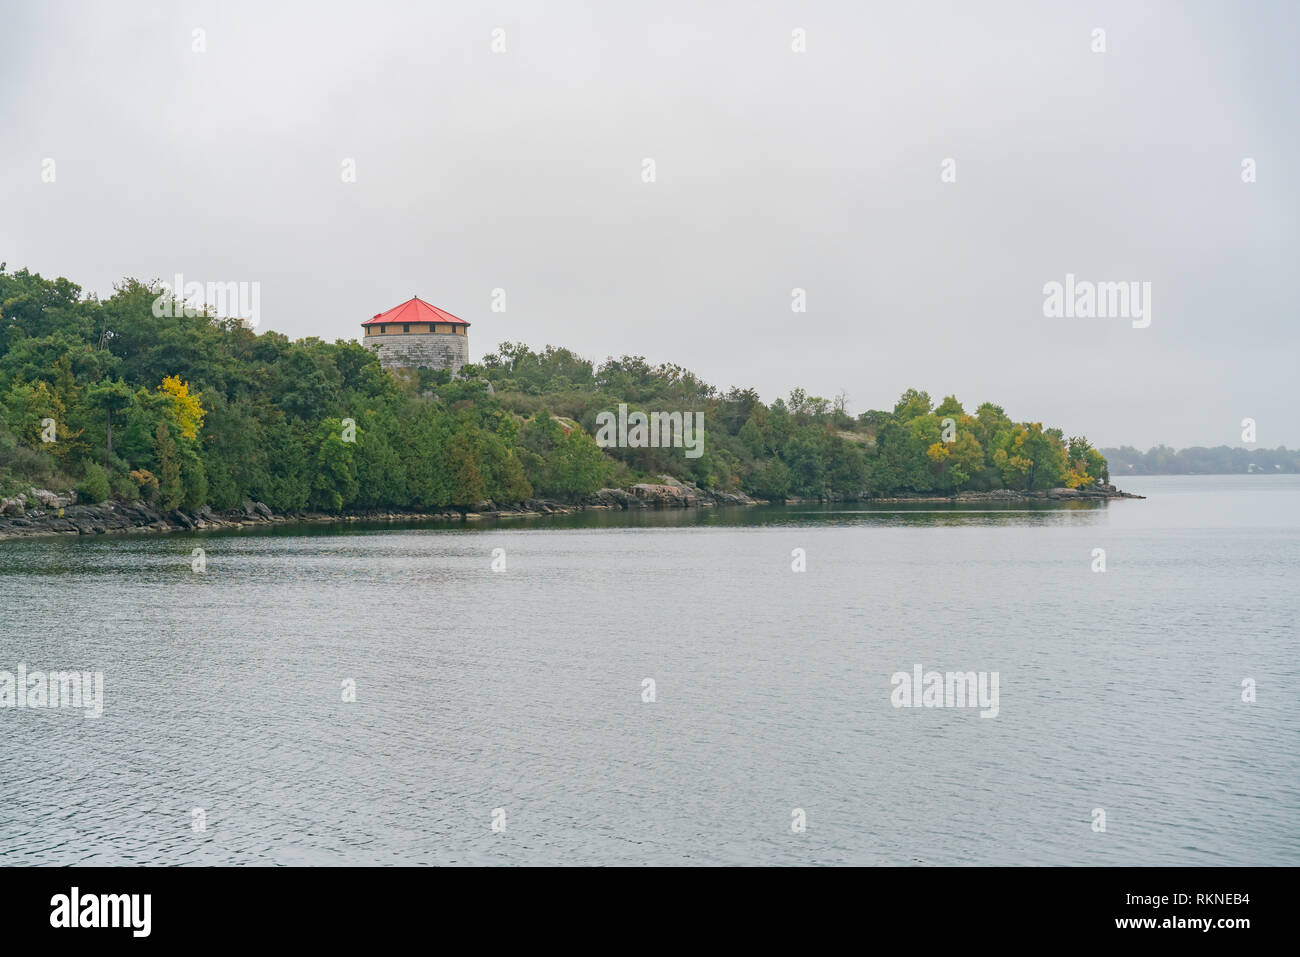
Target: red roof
[(414, 310)]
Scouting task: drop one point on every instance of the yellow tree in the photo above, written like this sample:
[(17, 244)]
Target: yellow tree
[(186, 407)]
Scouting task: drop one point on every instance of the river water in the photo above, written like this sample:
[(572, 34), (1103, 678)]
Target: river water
[(504, 716)]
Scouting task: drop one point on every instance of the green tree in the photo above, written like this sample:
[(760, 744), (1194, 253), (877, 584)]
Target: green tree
[(94, 487), (335, 482), (194, 480), (114, 397), (168, 460)]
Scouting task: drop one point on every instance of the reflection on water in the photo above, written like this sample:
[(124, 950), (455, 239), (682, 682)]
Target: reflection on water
[(523, 689)]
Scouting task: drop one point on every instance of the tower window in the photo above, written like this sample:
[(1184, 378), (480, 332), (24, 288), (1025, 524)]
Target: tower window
[(406, 327)]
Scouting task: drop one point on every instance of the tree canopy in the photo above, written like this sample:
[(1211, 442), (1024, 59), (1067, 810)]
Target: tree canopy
[(184, 411)]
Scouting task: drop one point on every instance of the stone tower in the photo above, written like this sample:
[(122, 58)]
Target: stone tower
[(416, 335)]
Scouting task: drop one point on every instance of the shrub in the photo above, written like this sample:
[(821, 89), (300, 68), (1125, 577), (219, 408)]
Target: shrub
[(94, 487), (147, 483), (124, 488)]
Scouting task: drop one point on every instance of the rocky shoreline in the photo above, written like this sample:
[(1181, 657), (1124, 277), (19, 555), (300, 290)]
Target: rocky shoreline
[(1092, 493), (40, 512)]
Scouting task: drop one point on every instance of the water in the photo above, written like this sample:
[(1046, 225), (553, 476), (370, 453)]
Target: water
[(522, 690)]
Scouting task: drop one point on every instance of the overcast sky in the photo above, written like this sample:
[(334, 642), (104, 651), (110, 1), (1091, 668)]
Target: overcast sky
[(774, 170)]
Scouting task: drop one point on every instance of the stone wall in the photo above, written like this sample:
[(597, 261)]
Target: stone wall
[(420, 351)]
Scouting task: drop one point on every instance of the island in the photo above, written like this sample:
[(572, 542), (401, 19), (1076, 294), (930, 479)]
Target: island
[(118, 415)]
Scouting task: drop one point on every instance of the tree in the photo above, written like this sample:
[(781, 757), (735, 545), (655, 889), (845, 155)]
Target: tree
[(911, 404), (751, 437), (113, 396), (186, 409), (168, 459), (1085, 465), (467, 485), (240, 414), (579, 467), (807, 471), (335, 482), (772, 480), (194, 480), (94, 487), (949, 407)]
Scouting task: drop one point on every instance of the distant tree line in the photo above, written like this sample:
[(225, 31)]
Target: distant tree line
[(1221, 460), (185, 411)]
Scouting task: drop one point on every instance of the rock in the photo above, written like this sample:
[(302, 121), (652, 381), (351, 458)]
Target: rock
[(661, 495), (181, 518), (249, 508), (45, 497), (613, 497), (262, 510), (11, 506), (733, 498), (96, 512)]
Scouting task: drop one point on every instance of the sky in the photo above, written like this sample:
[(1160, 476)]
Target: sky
[(920, 171)]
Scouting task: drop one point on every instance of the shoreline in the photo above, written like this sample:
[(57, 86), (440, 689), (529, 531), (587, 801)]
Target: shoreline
[(56, 516), (1104, 493)]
